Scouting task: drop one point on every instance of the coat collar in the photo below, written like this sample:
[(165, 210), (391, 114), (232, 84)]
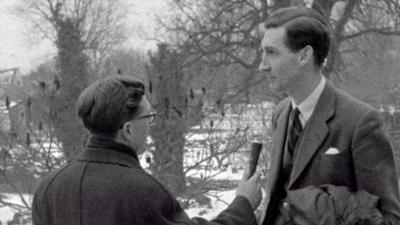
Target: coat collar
[(308, 105), (104, 150)]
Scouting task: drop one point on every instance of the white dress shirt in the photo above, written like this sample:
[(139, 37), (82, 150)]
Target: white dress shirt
[(307, 106)]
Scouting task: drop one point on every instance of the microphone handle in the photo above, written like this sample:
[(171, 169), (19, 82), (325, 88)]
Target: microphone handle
[(254, 156)]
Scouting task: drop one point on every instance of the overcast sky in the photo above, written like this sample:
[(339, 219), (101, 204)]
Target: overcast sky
[(19, 50)]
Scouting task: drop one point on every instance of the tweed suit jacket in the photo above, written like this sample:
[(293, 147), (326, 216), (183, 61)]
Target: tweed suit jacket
[(365, 160), (105, 186)]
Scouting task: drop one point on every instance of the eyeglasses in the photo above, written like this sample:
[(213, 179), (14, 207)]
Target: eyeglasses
[(151, 115)]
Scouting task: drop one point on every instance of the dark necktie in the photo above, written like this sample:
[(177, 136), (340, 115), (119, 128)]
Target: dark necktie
[(295, 130)]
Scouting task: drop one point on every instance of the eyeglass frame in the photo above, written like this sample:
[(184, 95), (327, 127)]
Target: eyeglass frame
[(151, 115)]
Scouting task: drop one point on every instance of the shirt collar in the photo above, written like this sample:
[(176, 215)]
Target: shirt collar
[(307, 106)]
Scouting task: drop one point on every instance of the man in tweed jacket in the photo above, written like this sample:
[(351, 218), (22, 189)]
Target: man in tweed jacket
[(321, 135)]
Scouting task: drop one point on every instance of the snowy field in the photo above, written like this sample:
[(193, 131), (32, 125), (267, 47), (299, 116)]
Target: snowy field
[(217, 205), (7, 213)]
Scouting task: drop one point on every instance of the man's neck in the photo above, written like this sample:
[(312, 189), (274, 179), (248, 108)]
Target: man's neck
[(305, 86)]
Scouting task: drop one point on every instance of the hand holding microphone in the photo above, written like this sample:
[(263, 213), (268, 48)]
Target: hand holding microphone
[(249, 186)]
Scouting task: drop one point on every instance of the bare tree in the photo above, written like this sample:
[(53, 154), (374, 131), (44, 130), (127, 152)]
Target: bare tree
[(127, 62), (224, 35), (194, 137), (101, 23), (83, 32), (168, 92), (352, 19), (29, 147), (226, 32)]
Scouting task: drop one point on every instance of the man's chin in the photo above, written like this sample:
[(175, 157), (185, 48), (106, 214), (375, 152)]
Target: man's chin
[(278, 91)]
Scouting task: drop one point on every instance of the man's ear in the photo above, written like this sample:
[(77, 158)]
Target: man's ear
[(306, 55), (126, 129)]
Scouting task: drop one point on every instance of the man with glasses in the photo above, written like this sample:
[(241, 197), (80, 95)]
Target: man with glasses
[(107, 185)]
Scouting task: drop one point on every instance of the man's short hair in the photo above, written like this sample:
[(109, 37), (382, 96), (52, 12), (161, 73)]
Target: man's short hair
[(304, 26), (107, 104)]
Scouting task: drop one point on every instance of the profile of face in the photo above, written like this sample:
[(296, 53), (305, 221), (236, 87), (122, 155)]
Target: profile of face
[(135, 131), (279, 63)]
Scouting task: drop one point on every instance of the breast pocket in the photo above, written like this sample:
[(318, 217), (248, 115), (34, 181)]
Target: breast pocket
[(336, 169)]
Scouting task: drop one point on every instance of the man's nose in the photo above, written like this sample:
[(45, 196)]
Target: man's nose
[(264, 66)]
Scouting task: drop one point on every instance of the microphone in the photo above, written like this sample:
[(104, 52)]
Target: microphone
[(254, 155)]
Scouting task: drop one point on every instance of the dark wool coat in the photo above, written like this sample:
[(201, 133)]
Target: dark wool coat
[(365, 160), (106, 185)]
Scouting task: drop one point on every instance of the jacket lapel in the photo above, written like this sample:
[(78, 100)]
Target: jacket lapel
[(278, 142), (315, 132)]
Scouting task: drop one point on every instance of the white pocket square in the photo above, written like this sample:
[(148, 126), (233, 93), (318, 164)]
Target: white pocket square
[(332, 151)]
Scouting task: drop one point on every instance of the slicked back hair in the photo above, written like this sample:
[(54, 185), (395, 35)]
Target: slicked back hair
[(107, 104), (304, 26)]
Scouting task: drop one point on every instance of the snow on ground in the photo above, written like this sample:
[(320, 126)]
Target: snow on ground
[(6, 213), (218, 204)]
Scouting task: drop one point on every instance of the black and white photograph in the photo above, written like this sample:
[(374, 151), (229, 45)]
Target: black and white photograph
[(195, 112)]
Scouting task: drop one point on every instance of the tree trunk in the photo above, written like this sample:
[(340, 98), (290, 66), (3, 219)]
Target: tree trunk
[(168, 95), (73, 75), (168, 158)]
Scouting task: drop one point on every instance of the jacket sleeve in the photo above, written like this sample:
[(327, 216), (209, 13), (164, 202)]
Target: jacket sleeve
[(374, 165), (154, 204), (239, 212)]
